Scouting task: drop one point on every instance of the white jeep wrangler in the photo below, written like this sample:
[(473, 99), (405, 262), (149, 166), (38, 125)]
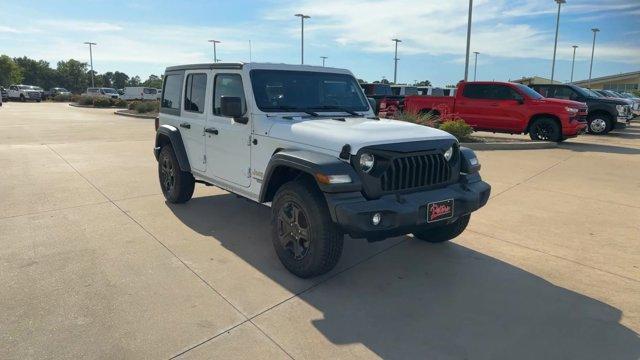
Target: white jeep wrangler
[(305, 140)]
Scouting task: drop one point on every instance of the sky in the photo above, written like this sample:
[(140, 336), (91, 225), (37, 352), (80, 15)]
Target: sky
[(514, 37)]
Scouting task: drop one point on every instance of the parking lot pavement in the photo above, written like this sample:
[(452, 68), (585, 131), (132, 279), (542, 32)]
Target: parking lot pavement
[(94, 263)]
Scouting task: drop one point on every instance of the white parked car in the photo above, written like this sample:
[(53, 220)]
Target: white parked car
[(140, 93), (305, 140), (102, 92), (24, 93)]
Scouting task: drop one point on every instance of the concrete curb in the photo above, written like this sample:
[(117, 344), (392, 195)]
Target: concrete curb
[(139, 116), (515, 145), (91, 106)]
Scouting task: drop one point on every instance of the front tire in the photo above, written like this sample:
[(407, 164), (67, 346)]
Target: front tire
[(306, 240), (599, 124), (545, 129), (177, 185), (443, 233)]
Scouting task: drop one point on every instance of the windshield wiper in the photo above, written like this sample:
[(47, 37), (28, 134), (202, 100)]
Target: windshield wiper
[(291, 108), (338, 108)]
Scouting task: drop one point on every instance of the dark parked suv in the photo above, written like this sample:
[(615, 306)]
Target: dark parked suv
[(604, 114)]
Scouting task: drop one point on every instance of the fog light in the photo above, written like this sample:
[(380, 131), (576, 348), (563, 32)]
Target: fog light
[(376, 218)]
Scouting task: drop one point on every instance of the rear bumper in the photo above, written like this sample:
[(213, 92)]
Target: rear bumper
[(402, 214)]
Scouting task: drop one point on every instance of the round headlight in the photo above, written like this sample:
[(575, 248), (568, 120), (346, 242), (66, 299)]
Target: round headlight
[(448, 154), (366, 162)]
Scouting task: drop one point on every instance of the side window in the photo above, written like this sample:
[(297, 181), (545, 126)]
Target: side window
[(149, 91), (501, 92), (565, 93), (476, 91), (171, 93), (194, 92), (228, 85), (543, 90)]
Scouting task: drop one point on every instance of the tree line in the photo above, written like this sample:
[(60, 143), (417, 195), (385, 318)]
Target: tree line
[(72, 75)]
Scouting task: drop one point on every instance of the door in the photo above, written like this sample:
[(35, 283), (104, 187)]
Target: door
[(228, 146), (192, 122), (476, 106), (511, 115)]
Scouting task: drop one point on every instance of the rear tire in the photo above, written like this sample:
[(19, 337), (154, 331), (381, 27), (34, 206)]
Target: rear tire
[(177, 185), (545, 129), (599, 124), (443, 233), (306, 240)]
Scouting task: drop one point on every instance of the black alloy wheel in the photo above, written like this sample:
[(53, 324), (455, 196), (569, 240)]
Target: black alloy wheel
[(293, 230)]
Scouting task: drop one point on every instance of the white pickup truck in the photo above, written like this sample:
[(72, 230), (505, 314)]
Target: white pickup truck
[(305, 141), (24, 93)]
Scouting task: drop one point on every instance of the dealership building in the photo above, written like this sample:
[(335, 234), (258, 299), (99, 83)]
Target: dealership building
[(620, 82)]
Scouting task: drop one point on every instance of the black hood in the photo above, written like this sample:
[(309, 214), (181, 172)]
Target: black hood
[(610, 101)]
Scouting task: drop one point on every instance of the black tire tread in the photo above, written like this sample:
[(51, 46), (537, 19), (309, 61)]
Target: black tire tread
[(326, 231), (185, 183)]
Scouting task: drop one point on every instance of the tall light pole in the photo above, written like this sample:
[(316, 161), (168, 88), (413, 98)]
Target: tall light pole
[(215, 56), (323, 59), (302, 17), (395, 61), (466, 62), (91, 60), (593, 47), (475, 66), (573, 62), (555, 44)]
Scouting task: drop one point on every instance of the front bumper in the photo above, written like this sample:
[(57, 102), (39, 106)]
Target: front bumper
[(403, 213)]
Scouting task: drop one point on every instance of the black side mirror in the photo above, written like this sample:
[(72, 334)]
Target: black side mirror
[(520, 100), (231, 106), (372, 102)]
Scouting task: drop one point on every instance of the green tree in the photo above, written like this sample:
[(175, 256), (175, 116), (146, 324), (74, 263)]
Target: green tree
[(36, 72), (134, 81), (72, 75), (153, 81), (120, 80), (10, 72), (424, 83)]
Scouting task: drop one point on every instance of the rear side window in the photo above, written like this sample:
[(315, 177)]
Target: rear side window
[(171, 93), (149, 91), (230, 85), (194, 92), (489, 91)]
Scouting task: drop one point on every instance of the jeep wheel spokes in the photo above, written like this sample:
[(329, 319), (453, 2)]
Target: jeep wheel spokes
[(168, 176), (293, 230)]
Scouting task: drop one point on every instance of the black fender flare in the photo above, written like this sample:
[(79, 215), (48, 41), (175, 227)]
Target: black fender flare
[(170, 134), (312, 163)]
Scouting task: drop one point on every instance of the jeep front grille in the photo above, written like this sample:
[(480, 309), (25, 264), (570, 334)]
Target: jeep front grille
[(416, 171)]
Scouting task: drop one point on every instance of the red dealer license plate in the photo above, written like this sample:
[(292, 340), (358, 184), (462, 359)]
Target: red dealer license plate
[(440, 210)]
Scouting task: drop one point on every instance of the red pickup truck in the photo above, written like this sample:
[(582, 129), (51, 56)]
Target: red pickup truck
[(502, 107)]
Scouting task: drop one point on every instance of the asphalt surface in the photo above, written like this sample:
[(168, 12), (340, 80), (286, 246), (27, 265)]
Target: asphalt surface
[(94, 264)]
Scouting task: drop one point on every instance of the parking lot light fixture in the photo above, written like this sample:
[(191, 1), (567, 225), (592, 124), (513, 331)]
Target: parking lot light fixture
[(595, 31), (395, 59), (466, 61), (91, 60), (323, 59), (573, 62), (302, 17), (555, 44), (475, 66), (215, 56)]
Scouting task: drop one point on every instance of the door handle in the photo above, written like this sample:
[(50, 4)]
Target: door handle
[(213, 131), (185, 125)]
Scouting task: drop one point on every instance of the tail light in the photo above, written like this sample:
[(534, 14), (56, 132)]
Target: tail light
[(157, 122)]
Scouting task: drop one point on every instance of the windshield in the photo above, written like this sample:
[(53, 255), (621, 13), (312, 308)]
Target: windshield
[(591, 93), (529, 92), (109, 90), (284, 90)]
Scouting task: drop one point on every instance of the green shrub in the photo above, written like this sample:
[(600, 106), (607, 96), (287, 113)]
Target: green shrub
[(102, 102), (75, 98), (147, 107), (85, 100), (62, 98), (457, 128), (132, 104), (120, 103), (427, 119)]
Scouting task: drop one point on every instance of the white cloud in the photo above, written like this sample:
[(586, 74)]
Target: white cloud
[(501, 28), (80, 26)]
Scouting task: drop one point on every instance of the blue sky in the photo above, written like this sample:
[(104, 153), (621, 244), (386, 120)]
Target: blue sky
[(514, 37)]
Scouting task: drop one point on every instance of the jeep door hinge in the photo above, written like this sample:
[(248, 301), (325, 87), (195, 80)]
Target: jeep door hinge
[(249, 141), (204, 159), (248, 172)]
